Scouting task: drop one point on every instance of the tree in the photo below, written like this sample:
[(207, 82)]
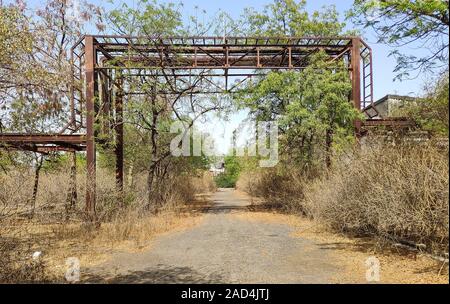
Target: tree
[(399, 23), (229, 178), (151, 113), (35, 69), (431, 112), (147, 18), (312, 106), (290, 18), (321, 108), (16, 42)]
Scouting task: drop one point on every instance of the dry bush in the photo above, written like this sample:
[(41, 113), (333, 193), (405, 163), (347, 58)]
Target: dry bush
[(136, 226), (16, 190), (170, 192), (204, 183), (282, 189), (131, 225), (397, 192), (16, 242), (24, 271)]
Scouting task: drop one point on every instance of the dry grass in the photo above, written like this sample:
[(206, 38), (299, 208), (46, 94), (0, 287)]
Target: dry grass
[(397, 266), (179, 203)]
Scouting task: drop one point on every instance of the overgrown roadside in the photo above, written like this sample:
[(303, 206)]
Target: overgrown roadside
[(36, 243), (129, 233), (397, 193)]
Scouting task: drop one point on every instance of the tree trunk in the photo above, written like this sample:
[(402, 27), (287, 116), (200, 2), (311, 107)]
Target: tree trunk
[(130, 176), (36, 184), (154, 158), (328, 143), (150, 180), (72, 195)]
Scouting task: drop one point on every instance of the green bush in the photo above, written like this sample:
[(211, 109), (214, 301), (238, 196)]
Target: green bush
[(229, 178), (225, 181)]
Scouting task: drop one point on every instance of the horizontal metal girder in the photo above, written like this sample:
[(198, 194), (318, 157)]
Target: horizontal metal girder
[(41, 149), (25, 138), (394, 121)]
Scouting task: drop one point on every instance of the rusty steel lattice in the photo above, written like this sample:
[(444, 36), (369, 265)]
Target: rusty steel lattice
[(101, 65)]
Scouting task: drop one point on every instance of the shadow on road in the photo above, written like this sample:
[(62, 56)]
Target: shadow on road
[(223, 203), (161, 274)]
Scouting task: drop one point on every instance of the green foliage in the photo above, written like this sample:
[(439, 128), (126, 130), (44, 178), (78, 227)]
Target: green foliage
[(431, 113), (403, 22), (225, 181), (319, 100), (229, 178), (290, 18), (16, 41), (63, 161), (15, 36), (310, 105), (35, 64), (146, 17)]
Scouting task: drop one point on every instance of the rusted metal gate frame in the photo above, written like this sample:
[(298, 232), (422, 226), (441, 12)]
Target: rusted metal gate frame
[(96, 58)]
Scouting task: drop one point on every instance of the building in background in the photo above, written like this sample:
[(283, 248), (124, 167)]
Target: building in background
[(217, 168), (388, 106)]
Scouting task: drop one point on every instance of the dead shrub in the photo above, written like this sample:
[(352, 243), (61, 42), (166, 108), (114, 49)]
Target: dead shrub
[(204, 183), (16, 249), (399, 192), (136, 226), (280, 188)]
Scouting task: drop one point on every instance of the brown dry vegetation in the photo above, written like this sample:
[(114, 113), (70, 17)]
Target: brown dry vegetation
[(398, 193), (281, 189), (393, 192), (48, 230)]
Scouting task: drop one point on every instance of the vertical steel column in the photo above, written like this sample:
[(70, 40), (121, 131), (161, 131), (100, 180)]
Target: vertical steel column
[(90, 61), (72, 91), (290, 57), (258, 60), (119, 137), (356, 79)]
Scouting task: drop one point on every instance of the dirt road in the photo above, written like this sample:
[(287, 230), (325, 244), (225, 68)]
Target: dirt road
[(223, 249)]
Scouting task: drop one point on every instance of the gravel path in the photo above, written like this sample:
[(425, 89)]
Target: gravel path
[(223, 249)]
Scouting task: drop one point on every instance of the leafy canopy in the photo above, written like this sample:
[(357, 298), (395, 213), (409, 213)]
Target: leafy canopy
[(308, 105), (290, 18), (146, 17), (423, 24)]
